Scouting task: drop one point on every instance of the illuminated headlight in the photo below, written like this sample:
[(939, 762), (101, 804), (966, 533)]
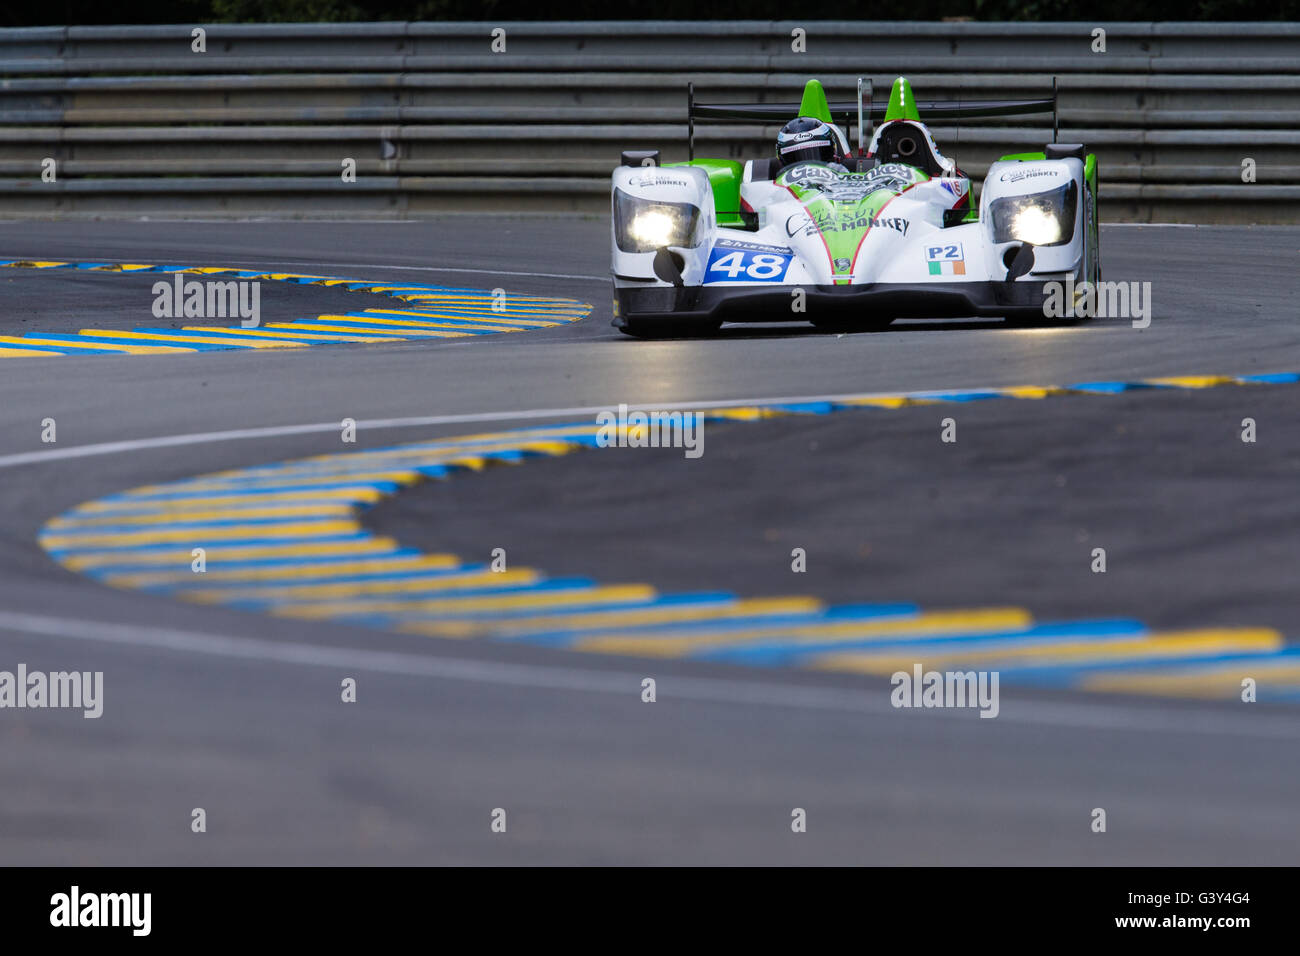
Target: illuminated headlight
[(1036, 225), (644, 225), (652, 227), (1043, 219)]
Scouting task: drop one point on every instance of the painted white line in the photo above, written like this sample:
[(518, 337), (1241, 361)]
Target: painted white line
[(869, 700), (487, 272), (423, 421), (269, 263), (275, 431)]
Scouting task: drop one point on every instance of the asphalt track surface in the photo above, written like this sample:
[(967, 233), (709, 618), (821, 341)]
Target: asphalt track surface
[(74, 300), (239, 714)]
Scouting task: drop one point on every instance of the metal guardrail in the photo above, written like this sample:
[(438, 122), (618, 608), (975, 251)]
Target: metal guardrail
[(139, 124)]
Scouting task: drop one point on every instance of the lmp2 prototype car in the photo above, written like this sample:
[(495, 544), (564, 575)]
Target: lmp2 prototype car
[(803, 236)]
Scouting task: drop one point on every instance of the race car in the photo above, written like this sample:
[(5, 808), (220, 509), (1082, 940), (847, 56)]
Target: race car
[(847, 242)]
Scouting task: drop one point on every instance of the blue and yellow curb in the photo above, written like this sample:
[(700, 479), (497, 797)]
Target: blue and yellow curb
[(422, 312), (287, 539)]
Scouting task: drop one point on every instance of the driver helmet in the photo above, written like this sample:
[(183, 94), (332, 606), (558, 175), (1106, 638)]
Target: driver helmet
[(807, 139)]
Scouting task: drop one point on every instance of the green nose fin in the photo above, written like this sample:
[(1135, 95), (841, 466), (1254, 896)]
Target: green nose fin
[(902, 104), (814, 102)]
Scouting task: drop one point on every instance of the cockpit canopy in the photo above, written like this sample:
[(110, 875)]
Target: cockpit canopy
[(907, 141)]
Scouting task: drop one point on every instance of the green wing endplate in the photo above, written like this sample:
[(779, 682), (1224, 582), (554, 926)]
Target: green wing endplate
[(902, 104), (814, 102)]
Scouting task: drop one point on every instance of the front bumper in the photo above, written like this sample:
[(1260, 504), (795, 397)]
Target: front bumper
[(881, 300)]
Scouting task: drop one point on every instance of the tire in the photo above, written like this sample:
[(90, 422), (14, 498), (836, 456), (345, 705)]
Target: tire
[(669, 328)]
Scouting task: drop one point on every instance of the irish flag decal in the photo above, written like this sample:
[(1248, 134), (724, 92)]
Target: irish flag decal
[(946, 260)]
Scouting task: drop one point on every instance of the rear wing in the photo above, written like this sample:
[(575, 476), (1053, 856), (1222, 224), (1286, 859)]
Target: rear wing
[(848, 112)]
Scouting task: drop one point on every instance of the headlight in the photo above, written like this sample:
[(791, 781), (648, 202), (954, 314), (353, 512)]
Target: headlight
[(652, 227), (1043, 219), (644, 225)]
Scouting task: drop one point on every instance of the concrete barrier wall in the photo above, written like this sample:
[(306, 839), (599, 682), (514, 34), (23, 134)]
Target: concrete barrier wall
[(139, 124)]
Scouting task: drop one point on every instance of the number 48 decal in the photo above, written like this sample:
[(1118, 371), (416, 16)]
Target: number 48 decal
[(742, 265)]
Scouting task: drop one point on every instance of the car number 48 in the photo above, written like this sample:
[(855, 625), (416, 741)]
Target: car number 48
[(759, 266)]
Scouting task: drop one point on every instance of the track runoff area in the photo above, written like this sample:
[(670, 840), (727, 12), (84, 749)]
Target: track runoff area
[(128, 537)]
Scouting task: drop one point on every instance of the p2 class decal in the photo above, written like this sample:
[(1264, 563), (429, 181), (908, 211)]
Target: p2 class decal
[(734, 261), (946, 259)]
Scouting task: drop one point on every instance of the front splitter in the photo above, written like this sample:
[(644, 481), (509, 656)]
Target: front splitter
[(799, 303)]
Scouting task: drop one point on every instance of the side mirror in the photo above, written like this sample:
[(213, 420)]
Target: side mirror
[(1019, 261), (1065, 151), (640, 157), (668, 267)]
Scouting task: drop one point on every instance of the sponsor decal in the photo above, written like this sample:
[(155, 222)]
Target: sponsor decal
[(851, 222), (840, 185), (897, 223), (842, 265), (957, 187), (798, 146), (752, 246), (891, 171), (847, 221), (807, 134), (745, 265), (644, 181), (823, 222), (948, 259), (850, 191), (894, 177), (1020, 175), (807, 175)]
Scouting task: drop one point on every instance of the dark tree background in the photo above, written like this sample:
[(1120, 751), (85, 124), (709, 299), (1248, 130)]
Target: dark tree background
[(58, 12)]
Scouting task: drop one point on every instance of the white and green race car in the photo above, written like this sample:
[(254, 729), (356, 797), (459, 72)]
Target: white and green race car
[(850, 242)]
